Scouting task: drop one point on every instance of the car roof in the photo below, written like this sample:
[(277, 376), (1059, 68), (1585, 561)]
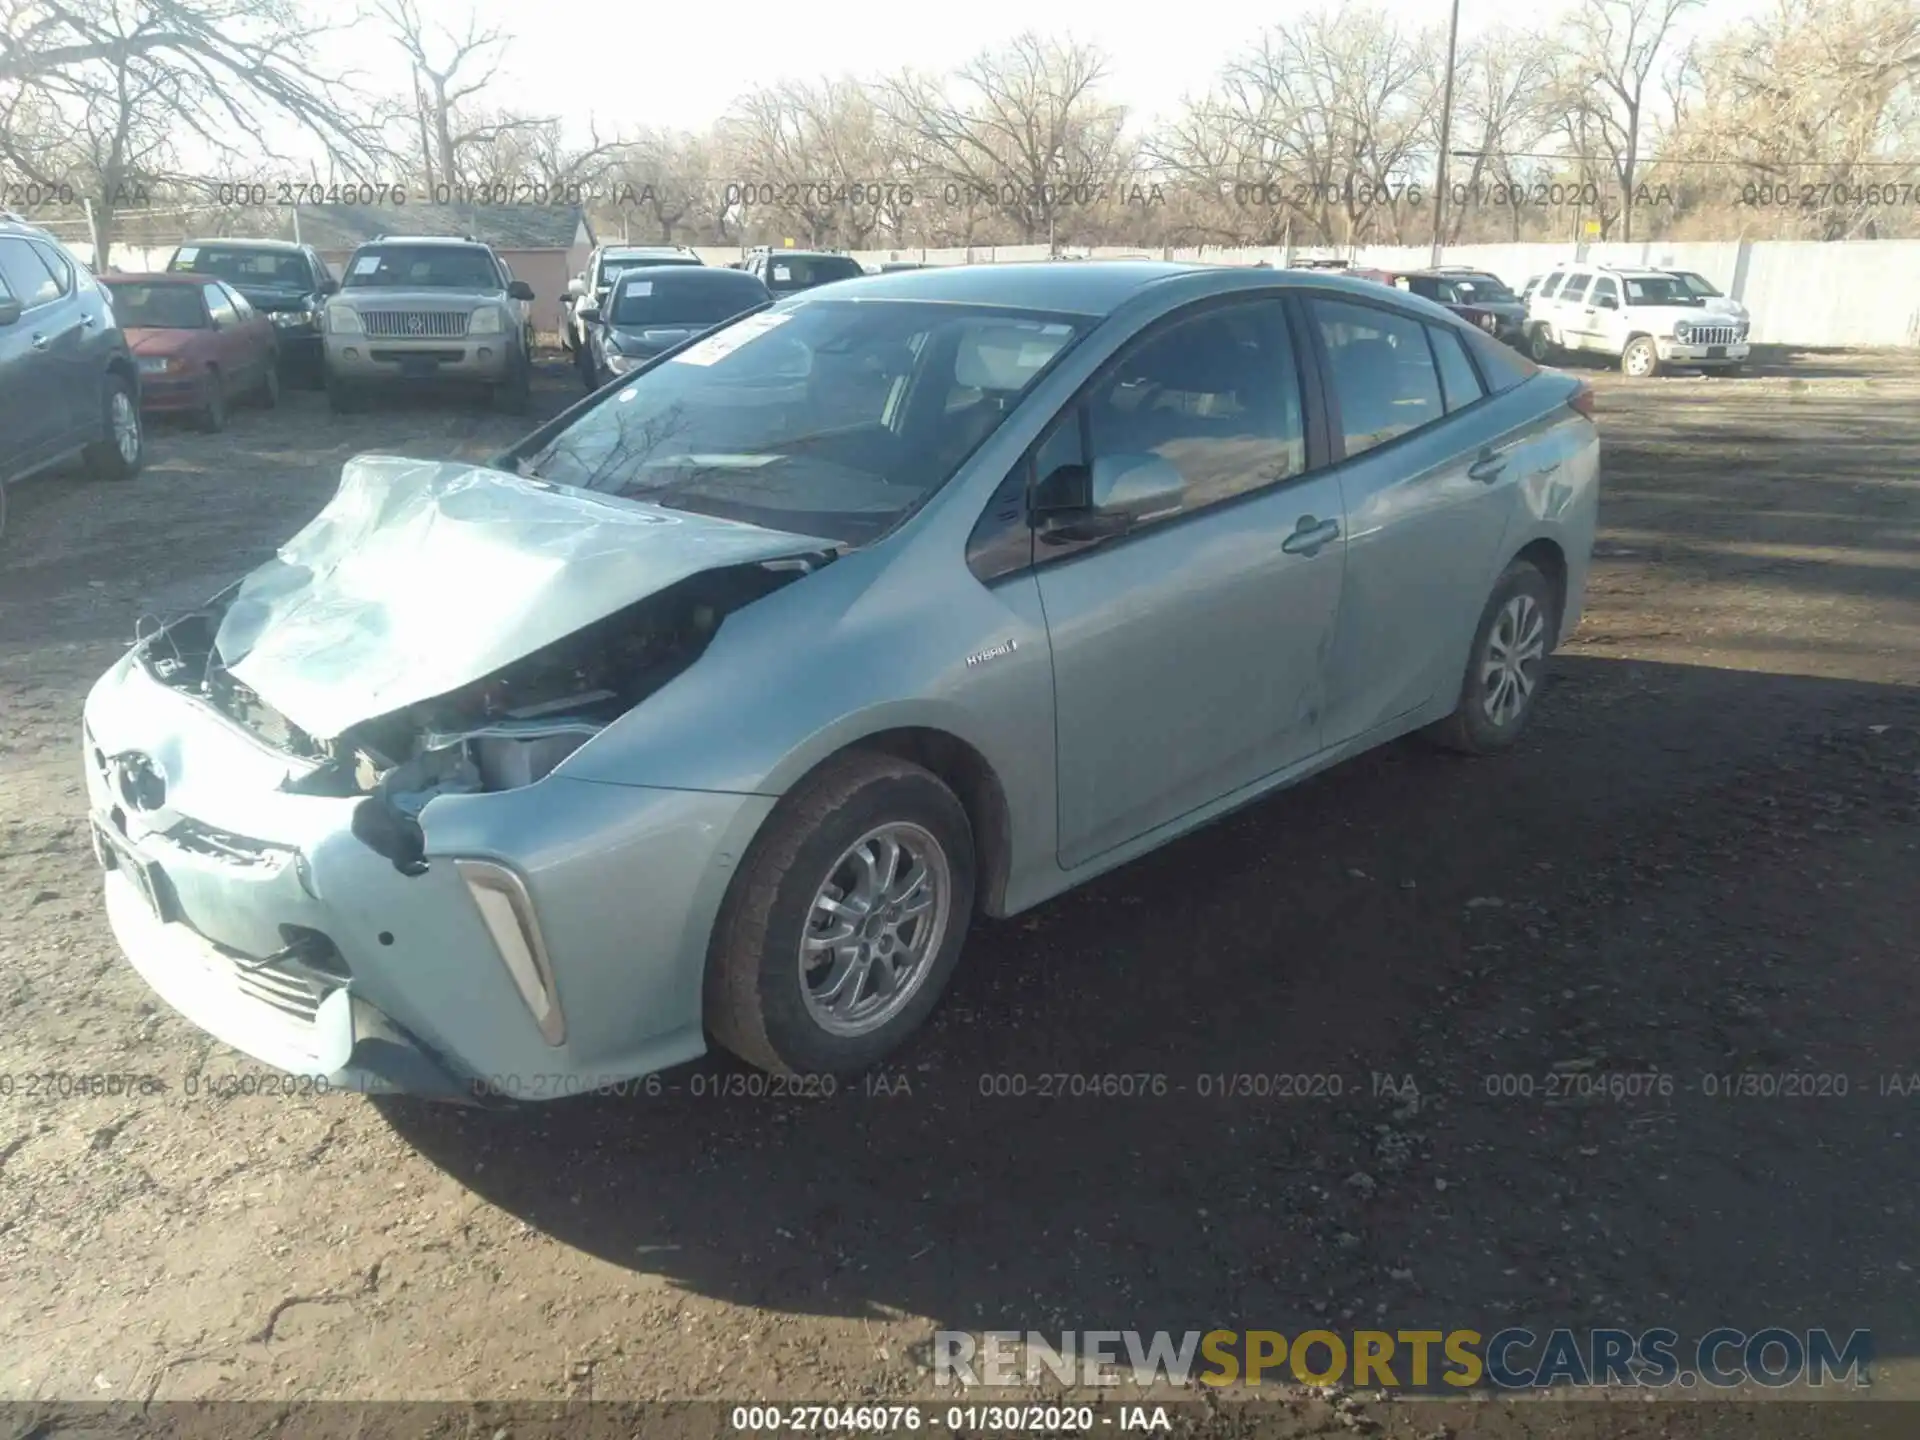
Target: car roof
[(1036, 285), (453, 241), (614, 250), (236, 242), (182, 278), (684, 274), (809, 254)]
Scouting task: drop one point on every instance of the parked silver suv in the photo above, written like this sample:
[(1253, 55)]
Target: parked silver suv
[(422, 308)]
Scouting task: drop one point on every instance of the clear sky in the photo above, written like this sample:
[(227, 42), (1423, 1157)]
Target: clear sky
[(681, 64)]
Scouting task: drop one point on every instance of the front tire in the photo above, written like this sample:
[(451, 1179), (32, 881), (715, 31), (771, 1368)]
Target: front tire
[(122, 448), (1641, 358), (213, 414), (844, 922), (270, 386), (1540, 346), (1506, 665)]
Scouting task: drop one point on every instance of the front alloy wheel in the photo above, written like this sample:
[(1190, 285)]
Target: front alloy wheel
[(844, 920), (874, 927), (1640, 359)]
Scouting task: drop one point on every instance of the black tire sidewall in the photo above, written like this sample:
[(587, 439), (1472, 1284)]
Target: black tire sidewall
[(1540, 345), (104, 460), (897, 793), (1482, 734)]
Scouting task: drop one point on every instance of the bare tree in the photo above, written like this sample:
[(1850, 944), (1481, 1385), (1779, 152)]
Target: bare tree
[(451, 69), (1024, 130), (1612, 49), (107, 92)]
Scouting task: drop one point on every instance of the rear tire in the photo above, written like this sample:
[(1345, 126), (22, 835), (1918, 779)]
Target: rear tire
[(1516, 633), (1540, 346), (769, 970), (122, 447)]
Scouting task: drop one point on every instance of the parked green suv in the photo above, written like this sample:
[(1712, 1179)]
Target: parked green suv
[(416, 309)]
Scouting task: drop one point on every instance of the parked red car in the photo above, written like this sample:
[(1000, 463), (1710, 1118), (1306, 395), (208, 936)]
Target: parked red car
[(199, 345)]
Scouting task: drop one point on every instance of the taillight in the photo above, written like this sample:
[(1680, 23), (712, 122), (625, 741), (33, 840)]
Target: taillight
[(1582, 399)]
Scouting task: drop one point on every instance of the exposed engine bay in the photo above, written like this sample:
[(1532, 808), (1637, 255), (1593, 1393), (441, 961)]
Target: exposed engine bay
[(503, 731)]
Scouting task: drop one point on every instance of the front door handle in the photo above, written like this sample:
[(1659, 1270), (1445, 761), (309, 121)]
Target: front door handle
[(39, 342), (1487, 468), (1311, 536)]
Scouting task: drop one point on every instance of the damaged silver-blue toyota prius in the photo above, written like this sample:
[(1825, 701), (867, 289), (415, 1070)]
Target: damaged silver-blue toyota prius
[(714, 710)]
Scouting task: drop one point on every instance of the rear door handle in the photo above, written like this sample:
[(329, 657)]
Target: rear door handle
[(1487, 468), (39, 342), (1311, 536)]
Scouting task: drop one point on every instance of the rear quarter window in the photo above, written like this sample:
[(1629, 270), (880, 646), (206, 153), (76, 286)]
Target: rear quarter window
[(1501, 366)]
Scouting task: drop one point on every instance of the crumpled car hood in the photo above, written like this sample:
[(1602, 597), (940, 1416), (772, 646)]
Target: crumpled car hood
[(420, 577)]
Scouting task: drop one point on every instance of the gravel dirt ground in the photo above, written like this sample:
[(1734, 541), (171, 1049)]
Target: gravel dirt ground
[(1702, 863)]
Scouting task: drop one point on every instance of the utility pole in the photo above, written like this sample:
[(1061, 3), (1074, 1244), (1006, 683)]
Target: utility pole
[(1446, 137)]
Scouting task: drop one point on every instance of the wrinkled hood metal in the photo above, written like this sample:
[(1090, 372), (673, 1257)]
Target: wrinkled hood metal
[(420, 577)]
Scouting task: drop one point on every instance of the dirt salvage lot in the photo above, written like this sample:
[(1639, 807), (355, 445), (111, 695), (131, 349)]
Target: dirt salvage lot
[(1703, 861)]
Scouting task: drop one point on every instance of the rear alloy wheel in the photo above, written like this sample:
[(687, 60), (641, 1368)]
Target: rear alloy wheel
[(1641, 358), (1505, 667), (844, 922), (118, 454), (1540, 345), (213, 414)]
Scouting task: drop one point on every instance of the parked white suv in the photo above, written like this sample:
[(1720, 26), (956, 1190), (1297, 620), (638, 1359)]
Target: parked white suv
[(1647, 319)]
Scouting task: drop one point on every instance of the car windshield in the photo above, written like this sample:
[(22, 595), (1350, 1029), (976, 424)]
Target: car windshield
[(158, 307), (1696, 284), (1658, 290), (787, 273), (240, 266), (673, 298), (428, 267), (827, 418), (1482, 287)]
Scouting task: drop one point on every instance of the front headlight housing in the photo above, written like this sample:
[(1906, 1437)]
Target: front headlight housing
[(1683, 332), (343, 320), (155, 364), (290, 318), (485, 322)]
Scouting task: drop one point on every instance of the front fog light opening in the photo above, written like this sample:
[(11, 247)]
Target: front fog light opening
[(506, 909)]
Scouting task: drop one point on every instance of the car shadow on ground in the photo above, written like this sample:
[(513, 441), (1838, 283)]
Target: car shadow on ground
[(1300, 1067)]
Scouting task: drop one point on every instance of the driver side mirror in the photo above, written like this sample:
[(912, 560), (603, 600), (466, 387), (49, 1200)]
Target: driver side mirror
[(519, 290), (588, 311), (9, 312), (1110, 497), (328, 286)]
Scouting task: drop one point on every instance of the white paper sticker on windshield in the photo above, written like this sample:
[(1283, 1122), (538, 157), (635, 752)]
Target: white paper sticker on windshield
[(1032, 357), (718, 347), (186, 254), (638, 287), (366, 265), (782, 272)]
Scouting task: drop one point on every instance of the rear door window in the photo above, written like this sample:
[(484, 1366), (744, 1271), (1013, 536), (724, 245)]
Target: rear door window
[(1458, 382), (1382, 371), (1576, 287), (1551, 284)]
